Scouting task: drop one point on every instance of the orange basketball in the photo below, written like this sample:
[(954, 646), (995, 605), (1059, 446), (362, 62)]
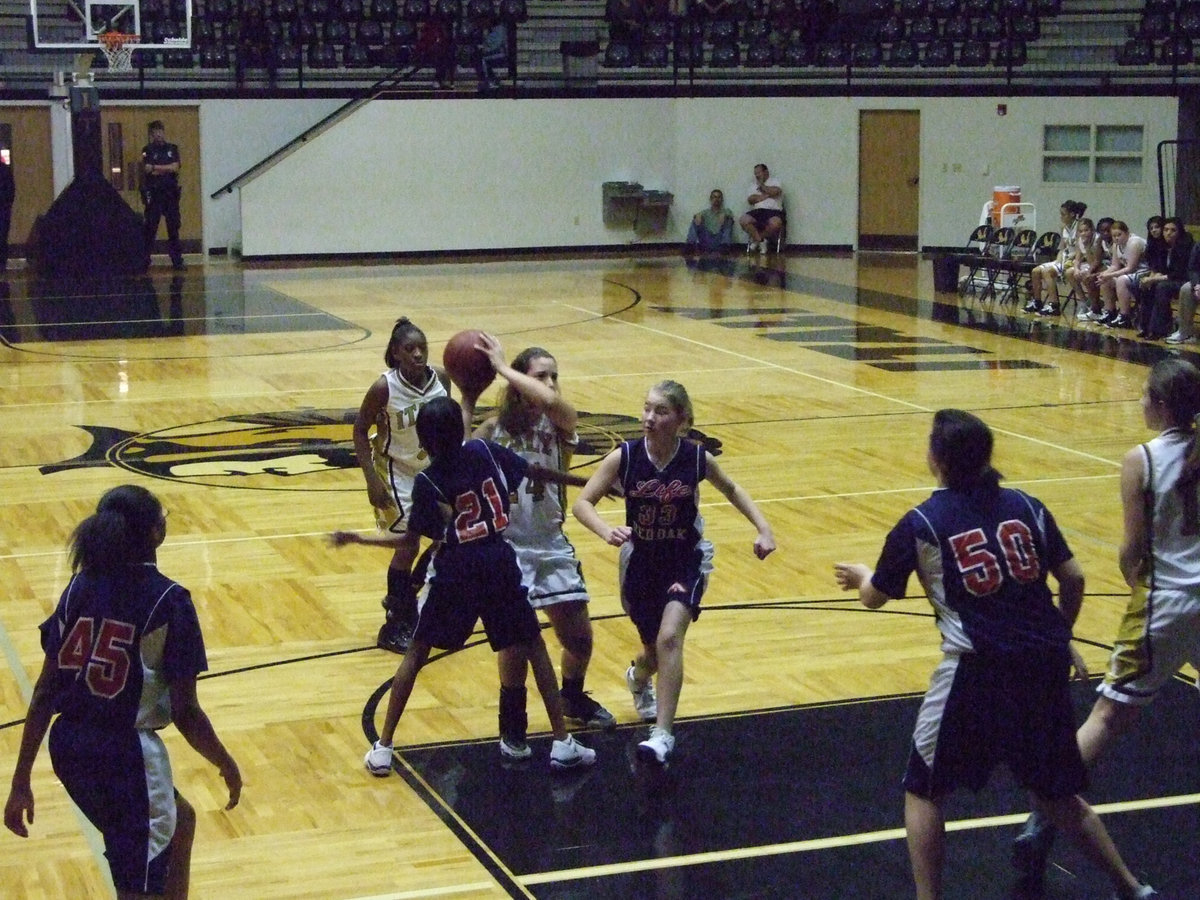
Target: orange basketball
[(467, 367)]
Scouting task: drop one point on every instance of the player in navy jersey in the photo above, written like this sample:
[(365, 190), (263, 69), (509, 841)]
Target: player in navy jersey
[(1002, 691), (462, 500), (123, 649), (665, 560)]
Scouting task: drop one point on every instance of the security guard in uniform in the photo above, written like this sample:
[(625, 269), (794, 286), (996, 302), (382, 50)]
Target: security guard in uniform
[(160, 191)]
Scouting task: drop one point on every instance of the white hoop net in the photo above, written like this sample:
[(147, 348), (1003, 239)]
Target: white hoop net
[(118, 49)]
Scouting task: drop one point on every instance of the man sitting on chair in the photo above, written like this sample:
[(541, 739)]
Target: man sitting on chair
[(766, 218)]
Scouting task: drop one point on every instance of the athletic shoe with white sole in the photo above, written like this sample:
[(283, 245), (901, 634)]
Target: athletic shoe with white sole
[(570, 754), (645, 701), (1180, 338), (379, 760), (1143, 893), (658, 747), (514, 748), (584, 711)]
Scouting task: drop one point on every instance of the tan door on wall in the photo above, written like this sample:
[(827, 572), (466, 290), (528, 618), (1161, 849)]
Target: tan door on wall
[(123, 134), (889, 168), (33, 169)]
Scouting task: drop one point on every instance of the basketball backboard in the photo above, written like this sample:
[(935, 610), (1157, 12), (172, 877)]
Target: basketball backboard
[(75, 24)]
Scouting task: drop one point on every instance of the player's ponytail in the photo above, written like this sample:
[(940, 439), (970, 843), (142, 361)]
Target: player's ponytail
[(961, 446), (124, 531)]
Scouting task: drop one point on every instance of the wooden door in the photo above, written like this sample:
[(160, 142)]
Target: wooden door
[(33, 173), (889, 168), (123, 134)]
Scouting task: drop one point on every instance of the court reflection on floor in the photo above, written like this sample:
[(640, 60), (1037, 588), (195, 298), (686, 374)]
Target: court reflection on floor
[(58, 310)]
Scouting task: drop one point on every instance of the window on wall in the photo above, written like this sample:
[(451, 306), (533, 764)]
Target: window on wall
[(1092, 154)]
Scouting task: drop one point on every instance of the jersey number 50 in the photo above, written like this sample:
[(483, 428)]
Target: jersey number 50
[(980, 568)]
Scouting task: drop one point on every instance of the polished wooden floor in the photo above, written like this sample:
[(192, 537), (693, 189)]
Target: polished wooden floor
[(231, 397)]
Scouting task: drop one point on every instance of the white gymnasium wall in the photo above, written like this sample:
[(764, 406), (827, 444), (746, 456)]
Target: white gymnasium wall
[(235, 135), (417, 175)]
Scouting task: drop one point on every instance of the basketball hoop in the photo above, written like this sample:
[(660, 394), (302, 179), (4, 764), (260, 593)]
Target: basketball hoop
[(118, 49)]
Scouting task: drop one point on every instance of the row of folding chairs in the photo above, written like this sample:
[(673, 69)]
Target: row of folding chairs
[(1000, 261)]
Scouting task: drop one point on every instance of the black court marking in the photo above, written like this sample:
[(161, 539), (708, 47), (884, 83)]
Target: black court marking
[(731, 816), (991, 317)]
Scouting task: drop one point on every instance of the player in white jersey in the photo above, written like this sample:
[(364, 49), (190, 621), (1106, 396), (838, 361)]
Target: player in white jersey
[(385, 443), (1160, 557), (536, 422), (1160, 560)]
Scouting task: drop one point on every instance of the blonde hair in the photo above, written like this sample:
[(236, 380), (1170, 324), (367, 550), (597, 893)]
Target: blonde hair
[(677, 396)]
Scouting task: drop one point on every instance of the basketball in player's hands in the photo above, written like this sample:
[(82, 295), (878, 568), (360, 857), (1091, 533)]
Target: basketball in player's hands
[(467, 367)]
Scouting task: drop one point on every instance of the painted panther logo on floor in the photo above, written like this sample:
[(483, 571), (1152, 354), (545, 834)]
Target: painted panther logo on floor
[(304, 449)]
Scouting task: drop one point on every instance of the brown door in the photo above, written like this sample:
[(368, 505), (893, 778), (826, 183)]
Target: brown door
[(889, 168), (123, 134), (33, 172)]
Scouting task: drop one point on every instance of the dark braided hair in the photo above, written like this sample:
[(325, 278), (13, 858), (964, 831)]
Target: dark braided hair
[(400, 330), (122, 532)]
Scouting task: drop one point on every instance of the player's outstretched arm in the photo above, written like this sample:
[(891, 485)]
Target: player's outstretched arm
[(18, 809), (193, 723), (857, 577), (764, 543), (371, 539), (603, 480)]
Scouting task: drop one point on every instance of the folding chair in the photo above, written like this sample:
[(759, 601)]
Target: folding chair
[(972, 256), (1016, 265), (995, 256)]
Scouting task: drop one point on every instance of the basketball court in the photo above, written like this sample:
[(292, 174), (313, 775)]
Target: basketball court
[(231, 390)]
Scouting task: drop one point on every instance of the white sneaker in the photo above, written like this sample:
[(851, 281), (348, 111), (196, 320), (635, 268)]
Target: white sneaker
[(1179, 337), (645, 701), (1083, 314), (1145, 892), (379, 760), (762, 247), (657, 747), (570, 754), (514, 748)]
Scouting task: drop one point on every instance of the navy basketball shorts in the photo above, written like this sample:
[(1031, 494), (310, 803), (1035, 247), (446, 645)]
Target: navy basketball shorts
[(473, 582), (121, 780), (982, 710), (646, 581)]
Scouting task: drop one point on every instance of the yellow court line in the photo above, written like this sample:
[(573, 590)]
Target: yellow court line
[(433, 892), (848, 840)]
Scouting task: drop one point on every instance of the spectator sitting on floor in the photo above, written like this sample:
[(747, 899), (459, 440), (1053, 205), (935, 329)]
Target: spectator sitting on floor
[(712, 228)]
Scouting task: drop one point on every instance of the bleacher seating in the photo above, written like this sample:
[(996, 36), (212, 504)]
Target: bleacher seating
[(752, 39)]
